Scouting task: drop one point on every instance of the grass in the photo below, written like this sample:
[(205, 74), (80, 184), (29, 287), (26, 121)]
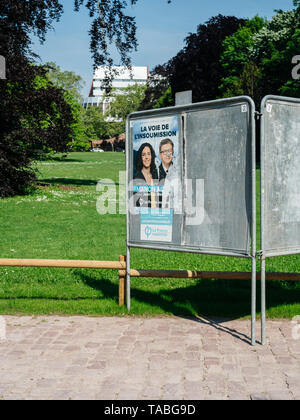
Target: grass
[(59, 220)]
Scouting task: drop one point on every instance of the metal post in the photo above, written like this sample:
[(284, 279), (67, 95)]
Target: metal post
[(128, 278), (253, 230), (262, 226), (263, 300), (253, 301), (127, 216)]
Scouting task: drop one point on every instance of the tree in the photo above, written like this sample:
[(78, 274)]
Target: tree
[(274, 35), (241, 75), (95, 126), (165, 100), (110, 25), (197, 66), (112, 124), (258, 58), (71, 84), (34, 115), (125, 102), (273, 49), (66, 80), (158, 93), (292, 87)]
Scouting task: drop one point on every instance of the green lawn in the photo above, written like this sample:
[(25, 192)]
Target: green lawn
[(60, 220)]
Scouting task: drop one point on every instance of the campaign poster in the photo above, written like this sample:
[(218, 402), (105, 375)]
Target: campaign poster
[(155, 175)]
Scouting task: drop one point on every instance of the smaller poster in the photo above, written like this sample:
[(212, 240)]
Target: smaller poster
[(155, 176), (157, 225)]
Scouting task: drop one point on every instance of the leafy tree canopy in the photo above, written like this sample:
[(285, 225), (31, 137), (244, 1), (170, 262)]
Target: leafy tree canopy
[(259, 61), (158, 89), (110, 25), (95, 127), (165, 100), (35, 114), (71, 84), (127, 101), (197, 66), (120, 104), (236, 47), (241, 74), (274, 35), (66, 80)]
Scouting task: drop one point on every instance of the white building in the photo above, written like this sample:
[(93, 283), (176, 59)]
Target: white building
[(122, 79)]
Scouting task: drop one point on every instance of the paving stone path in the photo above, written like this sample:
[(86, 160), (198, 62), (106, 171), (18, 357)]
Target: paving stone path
[(160, 358)]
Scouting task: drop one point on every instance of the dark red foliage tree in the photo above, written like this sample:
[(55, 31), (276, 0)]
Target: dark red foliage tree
[(34, 116), (197, 66)]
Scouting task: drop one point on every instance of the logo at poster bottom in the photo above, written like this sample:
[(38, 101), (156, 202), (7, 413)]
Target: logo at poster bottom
[(148, 231), (156, 233), (156, 225)]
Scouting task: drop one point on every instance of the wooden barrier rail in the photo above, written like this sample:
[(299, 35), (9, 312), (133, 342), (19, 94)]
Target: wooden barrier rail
[(121, 267), (14, 262)]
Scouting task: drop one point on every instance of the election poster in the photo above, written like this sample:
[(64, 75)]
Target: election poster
[(155, 175)]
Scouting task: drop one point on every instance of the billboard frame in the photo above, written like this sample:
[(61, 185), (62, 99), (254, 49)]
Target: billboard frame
[(263, 253), (171, 111)]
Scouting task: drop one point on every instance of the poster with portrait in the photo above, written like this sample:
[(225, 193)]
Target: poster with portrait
[(155, 176)]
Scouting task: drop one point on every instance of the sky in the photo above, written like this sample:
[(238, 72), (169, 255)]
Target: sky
[(161, 30)]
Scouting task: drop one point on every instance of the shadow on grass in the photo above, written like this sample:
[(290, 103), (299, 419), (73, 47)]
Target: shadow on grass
[(66, 159), (75, 182), (182, 302), (59, 159), (224, 298), (69, 181), (111, 290), (211, 302)]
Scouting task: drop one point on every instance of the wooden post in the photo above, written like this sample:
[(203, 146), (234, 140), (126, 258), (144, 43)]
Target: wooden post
[(122, 283), (14, 262)]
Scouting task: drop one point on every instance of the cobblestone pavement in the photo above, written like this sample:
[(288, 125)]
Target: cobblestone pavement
[(157, 358)]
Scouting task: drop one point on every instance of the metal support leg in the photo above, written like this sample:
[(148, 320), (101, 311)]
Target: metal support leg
[(253, 301), (128, 278), (263, 300)]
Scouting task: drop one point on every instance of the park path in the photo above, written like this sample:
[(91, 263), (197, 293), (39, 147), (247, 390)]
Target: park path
[(160, 358)]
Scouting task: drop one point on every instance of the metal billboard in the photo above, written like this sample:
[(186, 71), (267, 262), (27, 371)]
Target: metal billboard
[(205, 203), (280, 176), (280, 184)]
